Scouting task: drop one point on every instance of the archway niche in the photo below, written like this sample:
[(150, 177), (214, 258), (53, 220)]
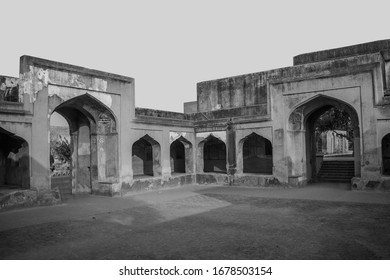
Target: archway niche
[(302, 143), (257, 154), (93, 143), (386, 155), (214, 155), (181, 156), (146, 155), (14, 161)]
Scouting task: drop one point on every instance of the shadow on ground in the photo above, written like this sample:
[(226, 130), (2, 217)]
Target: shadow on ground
[(210, 223)]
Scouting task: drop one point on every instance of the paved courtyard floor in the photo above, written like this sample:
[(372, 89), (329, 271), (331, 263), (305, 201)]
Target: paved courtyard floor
[(321, 221)]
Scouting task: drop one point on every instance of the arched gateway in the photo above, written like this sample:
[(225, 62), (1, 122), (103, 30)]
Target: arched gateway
[(94, 142), (302, 144), (281, 105)]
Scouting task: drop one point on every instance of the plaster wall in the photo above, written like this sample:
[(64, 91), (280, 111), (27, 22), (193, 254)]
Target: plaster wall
[(41, 79), (164, 135), (355, 90), (233, 92)]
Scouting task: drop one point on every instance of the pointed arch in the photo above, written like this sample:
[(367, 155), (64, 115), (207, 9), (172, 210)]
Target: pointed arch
[(386, 154), (256, 154), (302, 161), (181, 156), (146, 157), (94, 141), (14, 160), (100, 116), (213, 155)]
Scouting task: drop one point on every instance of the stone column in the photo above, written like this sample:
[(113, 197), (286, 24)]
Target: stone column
[(199, 157), (94, 162), (231, 151), (40, 144), (357, 151), (74, 142), (164, 157)]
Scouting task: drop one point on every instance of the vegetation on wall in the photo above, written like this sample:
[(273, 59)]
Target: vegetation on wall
[(335, 120), (60, 149)]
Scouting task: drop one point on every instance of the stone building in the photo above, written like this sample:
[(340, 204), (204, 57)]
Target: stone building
[(333, 143), (253, 129)]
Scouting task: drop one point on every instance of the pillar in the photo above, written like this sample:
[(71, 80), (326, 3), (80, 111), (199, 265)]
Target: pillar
[(231, 150)]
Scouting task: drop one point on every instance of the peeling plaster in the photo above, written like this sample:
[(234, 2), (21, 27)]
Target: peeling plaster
[(105, 98), (218, 134), (99, 84), (176, 135), (75, 80), (33, 81), (36, 79)]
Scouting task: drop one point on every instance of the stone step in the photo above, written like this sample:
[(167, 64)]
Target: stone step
[(334, 176), (337, 174), (337, 164), (336, 171), (334, 180)]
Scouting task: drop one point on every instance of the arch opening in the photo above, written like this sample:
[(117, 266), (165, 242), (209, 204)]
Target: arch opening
[(146, 154), (14, 161), (214, 155), (177, 151), (181, 156), (330, 145), (324, 141), (257, 155), (93, 144), (386, 154), (60, 154)]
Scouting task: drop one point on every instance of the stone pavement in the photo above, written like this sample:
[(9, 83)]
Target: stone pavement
[(205, 222), (179, 202)]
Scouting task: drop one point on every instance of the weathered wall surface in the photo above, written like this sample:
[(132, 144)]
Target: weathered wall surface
[(43, 85), (353, 89), (234, 92), (360, 49), (190, 107), (275, 104)]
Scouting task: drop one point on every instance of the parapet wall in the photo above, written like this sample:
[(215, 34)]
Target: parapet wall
[(360, 49)]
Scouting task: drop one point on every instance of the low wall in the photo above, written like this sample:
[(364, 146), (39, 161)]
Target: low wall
[(256, 180), (18, 198), (156, 183)]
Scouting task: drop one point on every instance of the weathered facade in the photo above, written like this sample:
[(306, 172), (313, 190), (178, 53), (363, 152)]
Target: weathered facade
[(254, 129)]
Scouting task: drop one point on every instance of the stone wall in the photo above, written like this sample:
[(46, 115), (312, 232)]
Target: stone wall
[(9, 89), (234, 92)]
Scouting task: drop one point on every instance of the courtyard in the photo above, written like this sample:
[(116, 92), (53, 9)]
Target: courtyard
[(320, 221)]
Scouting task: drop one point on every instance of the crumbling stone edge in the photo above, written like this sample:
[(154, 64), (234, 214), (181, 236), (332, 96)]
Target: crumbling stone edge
[(29, 198), (358, 184)]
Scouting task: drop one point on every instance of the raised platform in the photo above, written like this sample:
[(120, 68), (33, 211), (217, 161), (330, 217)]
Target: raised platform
[(12, 197)]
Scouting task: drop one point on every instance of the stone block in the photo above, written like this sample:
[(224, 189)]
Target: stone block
[(52, 197), (17, 198)]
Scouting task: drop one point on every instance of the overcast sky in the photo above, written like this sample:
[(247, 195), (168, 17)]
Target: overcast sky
[(168, 46)]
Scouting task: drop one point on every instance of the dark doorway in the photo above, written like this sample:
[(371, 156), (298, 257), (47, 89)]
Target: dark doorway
[(386, 154), (177, 151), (257, 155), (142, 157), (14, 161), (214, 155)]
